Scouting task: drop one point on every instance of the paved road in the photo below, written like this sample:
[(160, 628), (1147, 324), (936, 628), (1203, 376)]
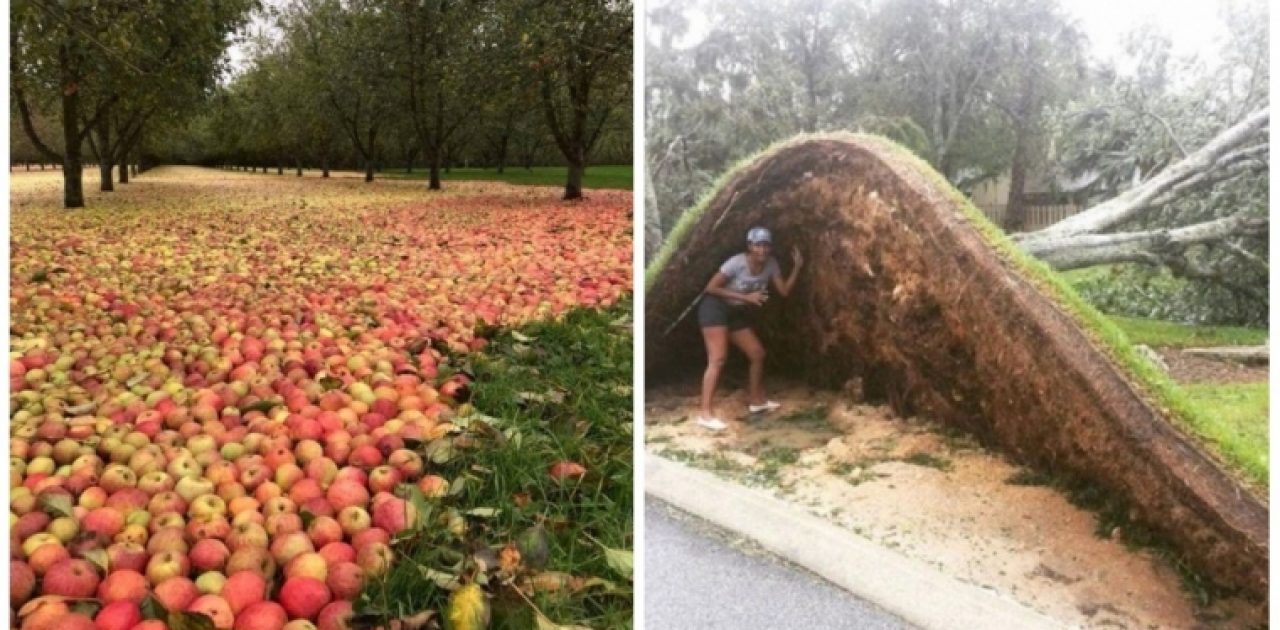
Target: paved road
[(698, 576)]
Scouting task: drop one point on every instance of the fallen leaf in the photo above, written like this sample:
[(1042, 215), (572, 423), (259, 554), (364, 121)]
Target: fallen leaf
[(566, 469), (620, 560), (468, 609), (546, 624)]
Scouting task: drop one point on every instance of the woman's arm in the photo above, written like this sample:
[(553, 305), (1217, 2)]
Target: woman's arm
[(716, 287), (784, 286)]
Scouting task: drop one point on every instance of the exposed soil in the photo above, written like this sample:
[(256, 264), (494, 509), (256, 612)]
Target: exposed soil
[(1186, 368), (903, 295), (938, 498)]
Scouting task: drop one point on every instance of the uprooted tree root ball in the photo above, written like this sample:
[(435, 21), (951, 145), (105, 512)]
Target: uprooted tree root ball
[(903, 291)]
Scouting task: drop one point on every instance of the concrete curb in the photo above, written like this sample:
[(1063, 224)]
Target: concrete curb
[(908, 588)]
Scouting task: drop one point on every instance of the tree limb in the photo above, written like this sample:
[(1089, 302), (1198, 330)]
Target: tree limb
[(1127, 205), (1148, 247)]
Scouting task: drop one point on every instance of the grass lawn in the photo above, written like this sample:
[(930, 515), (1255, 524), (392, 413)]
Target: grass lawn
[(1240, 419), (1157, 333), (548, 393), (602, 176)]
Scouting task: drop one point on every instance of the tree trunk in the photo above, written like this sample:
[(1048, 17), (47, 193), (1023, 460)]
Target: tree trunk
[(279, 167), (573, 187), (72, 186), (1015, 212), (104, 154), (104, 173), (28, 165), (503, 143), (434, 180), (1149, 247), (298, 165), (124, 171), (368, 169), (324, 167)]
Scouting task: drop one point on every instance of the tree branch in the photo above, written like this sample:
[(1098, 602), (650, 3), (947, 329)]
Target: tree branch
[(1086, 250), (1199, 165)]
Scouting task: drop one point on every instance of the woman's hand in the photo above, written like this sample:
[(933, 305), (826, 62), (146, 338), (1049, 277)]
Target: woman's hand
[(755, 299), (796, 258)]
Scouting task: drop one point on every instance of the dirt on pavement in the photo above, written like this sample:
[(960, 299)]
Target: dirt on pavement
[(938, 497)]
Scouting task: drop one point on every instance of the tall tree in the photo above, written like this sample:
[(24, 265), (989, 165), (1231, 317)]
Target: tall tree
[(86, 59), (1043, 63), (348, 57), (581, 54), (440, 42)]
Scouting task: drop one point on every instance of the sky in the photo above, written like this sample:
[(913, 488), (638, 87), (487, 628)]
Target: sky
[(1192, 25)]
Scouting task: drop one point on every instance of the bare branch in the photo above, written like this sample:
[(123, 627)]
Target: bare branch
[(1085, 250)]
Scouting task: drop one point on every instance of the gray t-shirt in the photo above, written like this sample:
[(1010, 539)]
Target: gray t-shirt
[(741, 280)]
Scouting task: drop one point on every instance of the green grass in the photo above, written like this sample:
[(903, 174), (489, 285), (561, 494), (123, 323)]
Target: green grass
[(603, 176), (550, 392), (1240, 413), (1158, 333), (1111, 338)]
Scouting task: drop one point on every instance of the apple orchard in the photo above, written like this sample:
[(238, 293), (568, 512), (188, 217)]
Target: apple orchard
[(222, 385)]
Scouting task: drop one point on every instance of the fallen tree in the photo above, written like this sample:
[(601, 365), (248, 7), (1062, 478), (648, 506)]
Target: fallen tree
[(910, 290), (1084, 239)]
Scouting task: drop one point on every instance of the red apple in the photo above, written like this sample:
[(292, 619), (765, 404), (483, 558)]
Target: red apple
[(244, 588), (176, 593), (216, 608), (118, 615), (262, 616), (22, 583), (345, 580), (209, 554), (70, 578), (334, 616), (303, 597)]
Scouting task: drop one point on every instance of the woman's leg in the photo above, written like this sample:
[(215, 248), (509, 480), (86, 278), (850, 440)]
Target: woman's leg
[(717, 341), (749, 343)]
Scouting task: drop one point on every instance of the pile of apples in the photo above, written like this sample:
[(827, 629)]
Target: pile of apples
[(260, 519), (218, 424)]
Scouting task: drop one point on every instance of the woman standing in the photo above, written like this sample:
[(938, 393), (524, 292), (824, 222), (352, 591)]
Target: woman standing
[(728, 306)]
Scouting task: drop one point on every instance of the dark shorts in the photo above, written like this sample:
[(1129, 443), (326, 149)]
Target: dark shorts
[(714, 311)]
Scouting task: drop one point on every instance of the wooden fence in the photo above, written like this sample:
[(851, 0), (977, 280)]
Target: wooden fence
[(1037, 216)]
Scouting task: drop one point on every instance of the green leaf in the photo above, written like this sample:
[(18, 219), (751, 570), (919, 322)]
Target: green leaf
[(447, 581), (181, 620), (458, 486), (535, 547), (98, 558), (56, 504), (265, 406), (420, 502), (330, 383), (152, 610), (441, 451), (86, 607), (620, 560), (307, 517)]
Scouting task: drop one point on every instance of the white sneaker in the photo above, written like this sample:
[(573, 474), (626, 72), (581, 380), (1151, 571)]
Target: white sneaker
[(768, 405), (713, 424)]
